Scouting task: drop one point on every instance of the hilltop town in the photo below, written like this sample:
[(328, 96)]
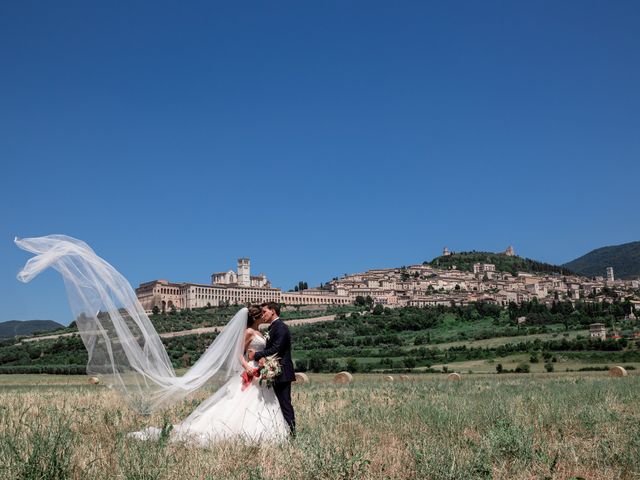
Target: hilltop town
[(414, 285)]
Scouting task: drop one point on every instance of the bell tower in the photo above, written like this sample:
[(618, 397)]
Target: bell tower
[(244, 272)]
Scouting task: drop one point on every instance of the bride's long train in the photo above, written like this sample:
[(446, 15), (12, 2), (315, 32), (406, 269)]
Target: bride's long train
[(124, 349)]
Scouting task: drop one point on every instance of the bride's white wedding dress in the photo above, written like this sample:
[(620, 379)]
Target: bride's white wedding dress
[(252, 415)]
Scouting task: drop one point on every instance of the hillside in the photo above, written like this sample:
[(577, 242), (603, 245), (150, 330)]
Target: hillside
[(464, 261), (625, 260), (399, 339), (15, 328)]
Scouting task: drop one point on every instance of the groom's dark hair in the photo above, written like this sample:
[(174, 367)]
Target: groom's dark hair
[(275, 306)]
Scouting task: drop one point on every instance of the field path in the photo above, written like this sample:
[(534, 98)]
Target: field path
[(195, 331)]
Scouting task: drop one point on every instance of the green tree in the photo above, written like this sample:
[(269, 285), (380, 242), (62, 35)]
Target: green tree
[(301, 365), (369, 302), (386, 362), (352, 365), (410, 363), (333, 366), (316, 363)]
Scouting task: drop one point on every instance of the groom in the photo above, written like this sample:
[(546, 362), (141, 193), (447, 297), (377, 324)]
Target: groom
[(279, 343)]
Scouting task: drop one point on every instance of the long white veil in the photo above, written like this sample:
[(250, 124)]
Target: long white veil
[(125, 351)]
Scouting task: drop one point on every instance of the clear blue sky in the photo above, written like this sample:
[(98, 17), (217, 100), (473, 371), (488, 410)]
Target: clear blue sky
[(317, 138)]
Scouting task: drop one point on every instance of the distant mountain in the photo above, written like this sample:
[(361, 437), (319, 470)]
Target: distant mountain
[(504, 263), (625, 260), (14, 328)]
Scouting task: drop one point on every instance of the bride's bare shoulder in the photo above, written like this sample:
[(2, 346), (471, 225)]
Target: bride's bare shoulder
[(251, 332)]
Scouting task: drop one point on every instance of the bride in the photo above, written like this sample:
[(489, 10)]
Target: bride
[(238, 410), (126, 353)]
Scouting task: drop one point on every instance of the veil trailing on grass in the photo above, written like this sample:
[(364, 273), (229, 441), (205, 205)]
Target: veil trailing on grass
[(125, 351)]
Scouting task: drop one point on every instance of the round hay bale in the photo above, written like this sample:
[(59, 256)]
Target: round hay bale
[(343, 377), (404, 378), (301, 378), (388, 378), (618, 372), (94, 380), (454, 377)]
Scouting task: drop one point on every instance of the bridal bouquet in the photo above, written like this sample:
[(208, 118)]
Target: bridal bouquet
[(270, 370), (266, 373)]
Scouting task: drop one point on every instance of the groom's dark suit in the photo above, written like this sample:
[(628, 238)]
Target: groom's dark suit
[(279, 343)]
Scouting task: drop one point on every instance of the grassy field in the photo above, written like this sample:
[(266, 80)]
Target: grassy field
[(555, 426)]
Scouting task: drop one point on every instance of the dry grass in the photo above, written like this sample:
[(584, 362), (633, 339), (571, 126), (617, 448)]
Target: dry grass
[(502, 427)]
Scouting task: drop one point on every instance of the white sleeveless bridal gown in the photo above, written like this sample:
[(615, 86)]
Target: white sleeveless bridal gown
[(251, 415)]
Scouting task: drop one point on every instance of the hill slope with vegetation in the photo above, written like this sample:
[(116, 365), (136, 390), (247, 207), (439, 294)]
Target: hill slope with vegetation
[(504, 263), (625, 260), (18, 328)]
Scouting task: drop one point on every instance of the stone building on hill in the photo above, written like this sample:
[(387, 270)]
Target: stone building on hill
[(598, 331), (229, 288), (414, 285), (242, 278)]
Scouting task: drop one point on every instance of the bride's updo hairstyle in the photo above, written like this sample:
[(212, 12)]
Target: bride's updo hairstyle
[(254, 314)]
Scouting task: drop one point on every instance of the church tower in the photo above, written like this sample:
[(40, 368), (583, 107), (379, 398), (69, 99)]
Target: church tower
[(244, 272), (610, 277)]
